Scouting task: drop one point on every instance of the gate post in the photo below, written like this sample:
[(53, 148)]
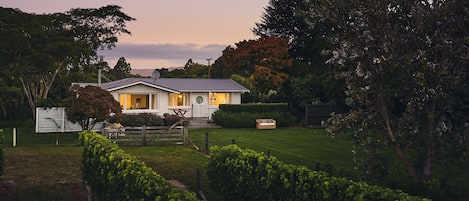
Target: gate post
[(144, 135)]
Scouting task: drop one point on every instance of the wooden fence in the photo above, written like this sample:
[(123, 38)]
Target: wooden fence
[(149, 135)]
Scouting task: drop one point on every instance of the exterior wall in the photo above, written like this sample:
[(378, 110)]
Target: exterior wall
[(198, 106), (161, 99), (235, 98)]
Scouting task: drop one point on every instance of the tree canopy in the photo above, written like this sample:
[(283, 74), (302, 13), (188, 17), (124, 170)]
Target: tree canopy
[(91, 105), (405, 67), (35, 49)]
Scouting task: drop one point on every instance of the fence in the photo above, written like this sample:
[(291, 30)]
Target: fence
[(315, 114), (148, 135)]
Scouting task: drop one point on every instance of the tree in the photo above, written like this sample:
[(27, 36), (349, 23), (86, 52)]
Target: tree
[(91, 105), (37, 48), (405, 67), (122, 69), (252, 59), (286, 19)]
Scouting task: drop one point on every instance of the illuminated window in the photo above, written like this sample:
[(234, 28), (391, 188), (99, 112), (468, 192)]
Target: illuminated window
[(181, 99), (219, 98), (134, 101)]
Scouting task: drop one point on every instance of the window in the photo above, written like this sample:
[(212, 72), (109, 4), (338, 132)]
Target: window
[(137, 101), (219, 98), (181, 99)]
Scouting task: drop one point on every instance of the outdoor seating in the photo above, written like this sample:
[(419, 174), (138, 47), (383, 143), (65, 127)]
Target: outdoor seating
[(266, 124)]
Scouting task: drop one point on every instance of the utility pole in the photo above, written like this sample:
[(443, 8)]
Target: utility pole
[(209, 67)]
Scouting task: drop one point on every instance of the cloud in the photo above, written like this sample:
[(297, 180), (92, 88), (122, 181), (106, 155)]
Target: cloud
[(162, 54)]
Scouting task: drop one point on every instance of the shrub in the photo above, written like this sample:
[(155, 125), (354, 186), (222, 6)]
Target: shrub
[(247, 175), (248, 119), (115, 175), (135, 120)]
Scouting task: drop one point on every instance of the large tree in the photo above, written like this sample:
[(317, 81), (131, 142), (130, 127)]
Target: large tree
[(405, 66), (35, 49), (265, 62)]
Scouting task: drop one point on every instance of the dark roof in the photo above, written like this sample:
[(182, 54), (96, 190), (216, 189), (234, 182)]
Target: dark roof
[(179, 84)]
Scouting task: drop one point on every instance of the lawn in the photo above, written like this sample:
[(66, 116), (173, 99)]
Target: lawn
[(45, 171), (299, 146)]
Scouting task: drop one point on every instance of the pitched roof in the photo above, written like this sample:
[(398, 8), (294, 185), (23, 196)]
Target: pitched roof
[(179, 84)]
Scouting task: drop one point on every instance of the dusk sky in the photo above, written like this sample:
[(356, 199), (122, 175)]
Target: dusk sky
[(166, 33)]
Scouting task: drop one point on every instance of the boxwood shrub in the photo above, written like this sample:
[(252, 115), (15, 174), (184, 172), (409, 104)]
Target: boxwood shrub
[(238, 174), (115, 175)]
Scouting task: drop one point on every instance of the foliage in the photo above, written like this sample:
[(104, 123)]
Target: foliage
[(2, 156), (405, 68), (116, 175), (248, 119), (38, 48), (136, 120), (91, 105), (245, 115), (310, 80), (121, 70), (264, 62), (247, 175), (254, 107)]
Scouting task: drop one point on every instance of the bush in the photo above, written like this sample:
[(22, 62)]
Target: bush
[(247, 175), (255, 107), (248, 119), (136, 120), (115, 175)]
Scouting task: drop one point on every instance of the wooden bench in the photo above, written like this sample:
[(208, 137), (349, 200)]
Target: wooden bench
[(266, 124)]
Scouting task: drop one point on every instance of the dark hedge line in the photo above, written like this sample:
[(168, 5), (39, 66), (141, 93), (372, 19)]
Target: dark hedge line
[(255, 107), (136, 120), (115, 175), (248, 119), (247, 175)]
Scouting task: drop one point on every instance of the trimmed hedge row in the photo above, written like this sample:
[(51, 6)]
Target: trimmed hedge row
[(141, 119), (255, 107), (247, 175), (116, 175), (248, 119)]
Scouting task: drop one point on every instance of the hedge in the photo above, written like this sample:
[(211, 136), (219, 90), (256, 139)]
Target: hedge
[(239, 174), (248, 119), (116, 175), (254, 107)]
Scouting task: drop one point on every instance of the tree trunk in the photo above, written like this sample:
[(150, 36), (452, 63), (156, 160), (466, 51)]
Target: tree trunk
[(36, 87), (408, 165), (430, 140)]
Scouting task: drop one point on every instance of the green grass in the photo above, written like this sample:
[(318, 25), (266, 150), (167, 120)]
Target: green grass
[(298, 146), (43, 170)]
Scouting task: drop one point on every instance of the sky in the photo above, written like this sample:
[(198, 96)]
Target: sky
[(166, 33)]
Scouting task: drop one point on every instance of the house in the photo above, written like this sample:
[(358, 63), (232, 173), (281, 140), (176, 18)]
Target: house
[(188, 97)]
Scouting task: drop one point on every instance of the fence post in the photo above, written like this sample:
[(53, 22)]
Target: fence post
[(144, 135), (268, 153), (206, 142), (14, 137), (185, 134)]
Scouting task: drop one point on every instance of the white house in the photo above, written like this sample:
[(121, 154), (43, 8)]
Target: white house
[(189, 97)]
